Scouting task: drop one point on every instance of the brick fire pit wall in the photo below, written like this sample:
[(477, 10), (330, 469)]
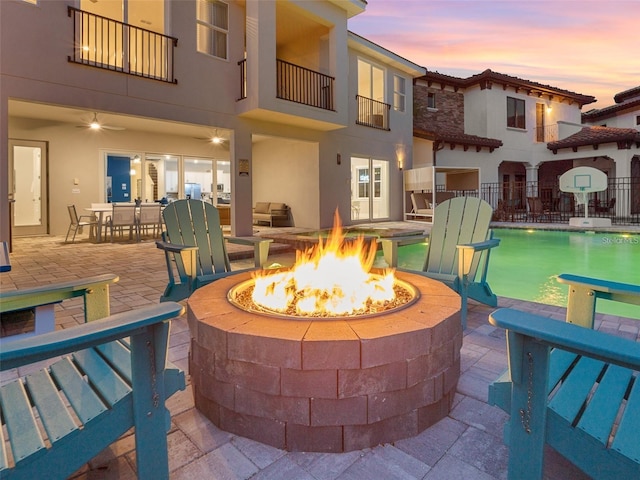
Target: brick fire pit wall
[(325, 385)]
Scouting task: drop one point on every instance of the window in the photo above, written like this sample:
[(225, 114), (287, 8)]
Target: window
[(431, 100), (399, 93), (515, 113), (213, 27), (540, 123), (363, 182), (637, 119), (370, 81)]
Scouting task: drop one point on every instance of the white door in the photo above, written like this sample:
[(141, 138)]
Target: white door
[(28, 184), (369, 189)]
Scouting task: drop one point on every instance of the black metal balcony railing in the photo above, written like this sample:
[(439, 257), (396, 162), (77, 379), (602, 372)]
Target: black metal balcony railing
[(372, 113), (301, 85), (296, 84), (106, 43), (243, 78)]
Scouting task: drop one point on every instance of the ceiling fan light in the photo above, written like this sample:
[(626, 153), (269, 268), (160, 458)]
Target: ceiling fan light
[(94, 125)]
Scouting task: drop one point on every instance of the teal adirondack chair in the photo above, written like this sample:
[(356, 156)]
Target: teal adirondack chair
[(459, 246), (571, 387), (113, 375), (195, 249)]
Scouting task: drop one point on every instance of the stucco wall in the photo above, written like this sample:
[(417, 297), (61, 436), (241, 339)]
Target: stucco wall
[(286, 171)]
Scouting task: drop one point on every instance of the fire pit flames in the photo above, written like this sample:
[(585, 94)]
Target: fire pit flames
[(333, 278)]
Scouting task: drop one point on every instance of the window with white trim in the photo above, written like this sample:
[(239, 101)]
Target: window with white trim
[(431, 100), (212, 27), (399, 93)]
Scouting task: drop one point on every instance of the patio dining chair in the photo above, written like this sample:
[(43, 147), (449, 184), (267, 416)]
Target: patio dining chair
[(124, 216), (536, 209), (77, 223), (150, 219)]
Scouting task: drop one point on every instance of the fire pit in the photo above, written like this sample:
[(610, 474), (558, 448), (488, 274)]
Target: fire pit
[(325, 382)]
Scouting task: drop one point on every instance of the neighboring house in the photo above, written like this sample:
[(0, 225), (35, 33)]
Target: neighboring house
[(234, 102), (522, 134)]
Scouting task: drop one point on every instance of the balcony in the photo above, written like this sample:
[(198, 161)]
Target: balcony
[(372, 113), (546, 134), (301, 85), (112, 45), (296, 84)]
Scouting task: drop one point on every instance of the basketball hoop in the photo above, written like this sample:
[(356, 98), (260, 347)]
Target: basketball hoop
[(581, 181)]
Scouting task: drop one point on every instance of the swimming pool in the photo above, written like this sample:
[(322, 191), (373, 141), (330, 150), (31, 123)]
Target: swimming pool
[(526, 263)]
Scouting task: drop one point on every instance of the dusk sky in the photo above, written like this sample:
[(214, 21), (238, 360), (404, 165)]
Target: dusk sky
[(588, 47)]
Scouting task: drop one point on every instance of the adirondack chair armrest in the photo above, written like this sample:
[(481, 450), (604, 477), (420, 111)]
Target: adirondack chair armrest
[(53, 293), (48, 345), (466, 252), (260, 247), (569, 337), (175, 248), (584, 291), (624, 292), (5, 261)]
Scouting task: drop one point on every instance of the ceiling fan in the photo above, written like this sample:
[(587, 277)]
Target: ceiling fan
[(95, 124), (215, 139)]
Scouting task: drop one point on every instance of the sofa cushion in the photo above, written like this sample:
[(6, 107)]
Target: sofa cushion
[(278, 206), (261, 207)]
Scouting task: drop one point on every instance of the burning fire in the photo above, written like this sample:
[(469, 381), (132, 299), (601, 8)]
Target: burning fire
[(332, 278)]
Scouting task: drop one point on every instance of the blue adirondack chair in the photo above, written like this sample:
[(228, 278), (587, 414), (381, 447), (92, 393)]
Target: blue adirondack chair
[(460, 243), (113, 375), (193, 242), (571, 387)]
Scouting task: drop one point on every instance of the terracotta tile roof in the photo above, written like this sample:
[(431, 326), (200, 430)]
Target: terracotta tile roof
[(612, 110), (627, 94), (595, 136), (488, 77), (456, 138)]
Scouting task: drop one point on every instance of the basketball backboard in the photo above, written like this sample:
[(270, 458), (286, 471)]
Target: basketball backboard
[(583, 180)]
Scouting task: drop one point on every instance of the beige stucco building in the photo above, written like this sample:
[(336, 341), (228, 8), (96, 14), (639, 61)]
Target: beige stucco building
[(302, 110)]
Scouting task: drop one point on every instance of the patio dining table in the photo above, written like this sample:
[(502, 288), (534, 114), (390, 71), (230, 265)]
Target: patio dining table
[(99, 212)]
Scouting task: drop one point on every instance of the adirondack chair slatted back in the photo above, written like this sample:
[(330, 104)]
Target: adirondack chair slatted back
[(457, 221), (113, 375), (196, 223)]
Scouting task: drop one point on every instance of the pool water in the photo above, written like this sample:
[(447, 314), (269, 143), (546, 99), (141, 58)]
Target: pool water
[(526, 263)]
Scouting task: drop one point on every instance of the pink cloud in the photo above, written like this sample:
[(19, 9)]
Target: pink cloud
[(584, 46)]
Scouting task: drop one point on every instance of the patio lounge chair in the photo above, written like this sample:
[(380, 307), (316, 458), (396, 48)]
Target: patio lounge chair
[(194, 243), (459, 244), (571, 387)]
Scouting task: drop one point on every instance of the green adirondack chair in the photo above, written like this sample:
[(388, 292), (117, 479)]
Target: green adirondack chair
[(194, 244), (571, 387), (113, 375), (459, 246)]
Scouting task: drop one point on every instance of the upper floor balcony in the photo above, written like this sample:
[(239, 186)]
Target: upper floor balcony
[(546, 134), (297, 84), (113, 45), (372, 113)]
